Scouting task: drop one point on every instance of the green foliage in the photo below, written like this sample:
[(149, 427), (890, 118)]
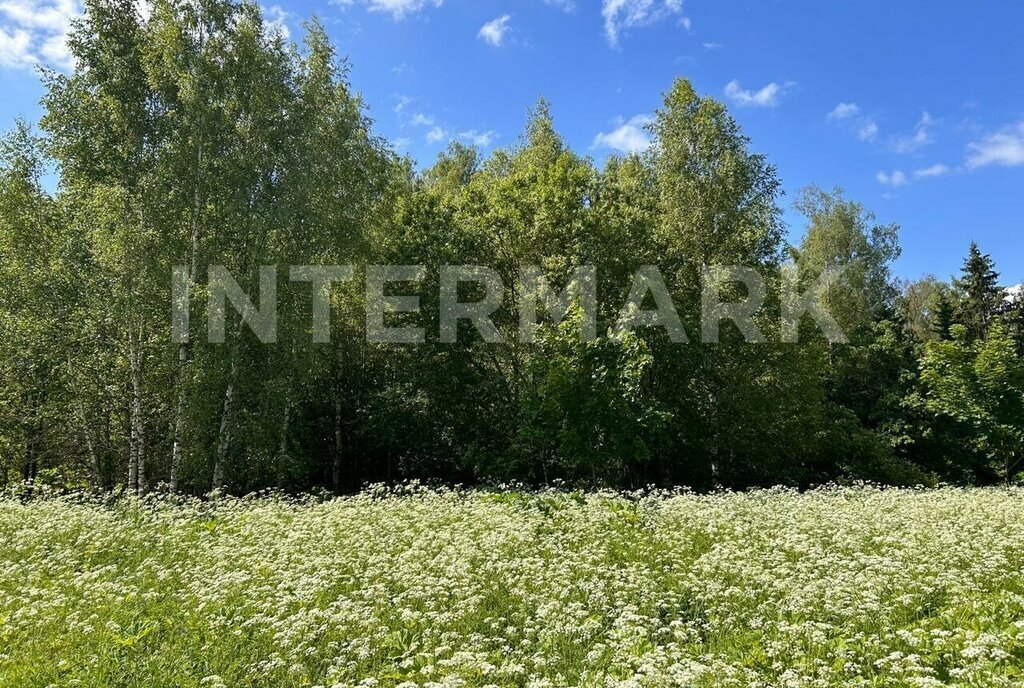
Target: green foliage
[(927, 308), (981, 297), (945, 316), (980, 385), (196, 137), (588, 408), (841, 234)]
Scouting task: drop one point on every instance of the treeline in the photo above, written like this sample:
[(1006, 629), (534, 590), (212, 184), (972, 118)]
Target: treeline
[(198, 136)]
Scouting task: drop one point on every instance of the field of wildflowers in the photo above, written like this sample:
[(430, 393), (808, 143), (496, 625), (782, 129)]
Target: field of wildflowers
[(415, 587)]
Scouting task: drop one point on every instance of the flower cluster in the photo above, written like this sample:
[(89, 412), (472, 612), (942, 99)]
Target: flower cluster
[(836, 587)]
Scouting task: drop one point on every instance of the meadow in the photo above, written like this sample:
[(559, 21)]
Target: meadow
[(855, 586)]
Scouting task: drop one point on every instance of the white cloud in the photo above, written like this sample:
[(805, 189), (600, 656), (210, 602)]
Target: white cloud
[(767, 96), (51, 17), (936, 170), (893, 179), (712, 46), (1004, 147), (56, 53), (436, 134), (629, 137), (398, 9), (401, 102), (421, 120), (844, 111), (1015, 293), (622, 15), (564, 5), (276, 19), (35, 32), (481, 139), (898, 178), (46, 17), (921, 136), (867, 131), (145, 8), (848, 116), (494, 31), (16, 49)]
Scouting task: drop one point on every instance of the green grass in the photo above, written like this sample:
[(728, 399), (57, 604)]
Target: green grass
[(851, 587)]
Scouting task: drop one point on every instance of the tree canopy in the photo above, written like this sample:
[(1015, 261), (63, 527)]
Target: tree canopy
[(196, 142)]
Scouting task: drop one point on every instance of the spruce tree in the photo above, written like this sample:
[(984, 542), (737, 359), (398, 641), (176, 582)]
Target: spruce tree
[(944, 316), (981, 295), (1014, 315)]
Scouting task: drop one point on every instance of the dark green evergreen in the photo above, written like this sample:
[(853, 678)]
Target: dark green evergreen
[(981, 297)]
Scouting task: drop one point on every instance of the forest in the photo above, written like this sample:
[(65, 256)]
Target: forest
[(198, 136)]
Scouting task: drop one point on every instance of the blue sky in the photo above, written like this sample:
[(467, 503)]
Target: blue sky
[(915, 108)]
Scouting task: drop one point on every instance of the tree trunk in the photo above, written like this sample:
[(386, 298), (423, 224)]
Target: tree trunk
[(133, 455), (137, 452), (107, 449), (184, 348), (179, 417), (94, 459), (30, 470), (31, 467), (282, 446), (713, 394), (226, 421), (90, 443), (339, 447)]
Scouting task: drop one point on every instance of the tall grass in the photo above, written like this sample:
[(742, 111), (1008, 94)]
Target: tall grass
[(838, 587)]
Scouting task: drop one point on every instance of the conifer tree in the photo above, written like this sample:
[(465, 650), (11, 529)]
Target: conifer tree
[(982, 297), (944, 316)]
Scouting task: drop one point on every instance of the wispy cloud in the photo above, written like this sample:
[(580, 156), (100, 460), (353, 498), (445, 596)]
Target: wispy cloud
[(628, 137), (766, 96), (936, 170), (436, 134), (481, 139), (712, 46), (844, 111), (848, 116), (622, 15), (275, 20), (398, 9), (898, 178), (494, 31), (401, 102), (421, 120), (921, 136), (35, 32), (436, 130), (894, 179), (564, 5), (1004, 147), (867, 131)]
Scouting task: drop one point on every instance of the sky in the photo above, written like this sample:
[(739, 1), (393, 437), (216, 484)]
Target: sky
[(915, 108)]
